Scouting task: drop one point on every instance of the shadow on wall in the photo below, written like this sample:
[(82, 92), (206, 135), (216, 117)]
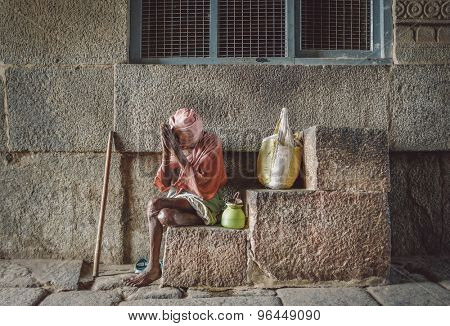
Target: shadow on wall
[(419, 203)]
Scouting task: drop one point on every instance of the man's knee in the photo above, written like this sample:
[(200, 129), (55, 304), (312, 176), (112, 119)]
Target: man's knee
[(165, 216), (154, 204)]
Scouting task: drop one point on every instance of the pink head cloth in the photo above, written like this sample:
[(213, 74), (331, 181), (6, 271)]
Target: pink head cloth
[(187, 120)]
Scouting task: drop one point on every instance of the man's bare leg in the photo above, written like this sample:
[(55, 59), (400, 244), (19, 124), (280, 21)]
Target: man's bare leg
[(162, 211)]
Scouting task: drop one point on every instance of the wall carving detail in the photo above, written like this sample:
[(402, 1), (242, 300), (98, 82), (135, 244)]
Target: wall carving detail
[(422, 21), (422, 9)]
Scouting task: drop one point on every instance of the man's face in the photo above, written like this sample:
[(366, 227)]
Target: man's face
[(185, 138)]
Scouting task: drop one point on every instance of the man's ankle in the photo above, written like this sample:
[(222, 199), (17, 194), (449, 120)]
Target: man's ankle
[(153, 269)]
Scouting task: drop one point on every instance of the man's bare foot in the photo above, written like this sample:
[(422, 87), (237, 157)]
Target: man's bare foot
[(144, 278)]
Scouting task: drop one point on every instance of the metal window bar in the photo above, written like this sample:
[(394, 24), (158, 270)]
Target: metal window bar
[(291, 27), (249, 28), (175, 28), (335, 25)]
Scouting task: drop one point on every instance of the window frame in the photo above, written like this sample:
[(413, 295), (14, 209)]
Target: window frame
[(380, 53)]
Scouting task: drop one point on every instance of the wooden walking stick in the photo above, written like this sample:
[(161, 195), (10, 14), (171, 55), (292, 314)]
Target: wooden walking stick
[(98, 245)]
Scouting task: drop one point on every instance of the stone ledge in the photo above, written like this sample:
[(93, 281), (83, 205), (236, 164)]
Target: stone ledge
[(301, 236), (205, 256), (346, 158)]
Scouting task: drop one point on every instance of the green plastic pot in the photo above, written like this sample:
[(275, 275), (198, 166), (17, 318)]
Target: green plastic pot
[(233, 216)]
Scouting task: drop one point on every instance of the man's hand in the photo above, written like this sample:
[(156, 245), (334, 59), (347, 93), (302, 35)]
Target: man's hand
[(165, 145), (167, 175), (169, 140)]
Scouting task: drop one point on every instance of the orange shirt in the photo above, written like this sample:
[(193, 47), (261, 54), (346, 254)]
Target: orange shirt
[(205, 171)]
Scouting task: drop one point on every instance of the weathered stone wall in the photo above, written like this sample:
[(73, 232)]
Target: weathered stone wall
[(65, 82), (59, 108), (242, 103), (50, 202), (63, 32)]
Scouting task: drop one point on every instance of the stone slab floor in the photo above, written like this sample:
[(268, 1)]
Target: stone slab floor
[(413, 281)]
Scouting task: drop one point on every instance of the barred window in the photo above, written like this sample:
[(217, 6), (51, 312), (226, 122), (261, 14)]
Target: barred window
[(175, 28), (251, 28), (336, 25), (260, 31)]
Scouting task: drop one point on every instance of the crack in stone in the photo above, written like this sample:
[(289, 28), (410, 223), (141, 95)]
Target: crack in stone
[(389, 104), (114, 97), (442, 200), (3, 70)]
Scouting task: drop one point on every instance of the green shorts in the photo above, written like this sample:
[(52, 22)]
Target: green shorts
[(208, 210)]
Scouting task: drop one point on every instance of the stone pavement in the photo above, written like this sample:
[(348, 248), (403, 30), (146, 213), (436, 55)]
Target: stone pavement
[(412, 281)]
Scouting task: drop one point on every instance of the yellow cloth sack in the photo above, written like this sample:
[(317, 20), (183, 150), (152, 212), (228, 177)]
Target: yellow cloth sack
[(279, 157)]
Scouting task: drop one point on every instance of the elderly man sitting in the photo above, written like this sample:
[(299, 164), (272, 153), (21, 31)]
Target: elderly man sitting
[(192, 172)]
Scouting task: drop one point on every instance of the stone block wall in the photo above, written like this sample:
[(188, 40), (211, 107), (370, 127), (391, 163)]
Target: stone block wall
[(346, 159), (50, 204), (299, 236), (65, 81)]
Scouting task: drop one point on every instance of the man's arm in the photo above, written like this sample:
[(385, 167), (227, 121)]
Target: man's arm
[(167, 173), (172, 143)]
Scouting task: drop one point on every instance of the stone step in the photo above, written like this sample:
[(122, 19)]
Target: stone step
[(345, 296), (205, 256), (59, 275), (411, 294), (21, 296), (83, 298), (216, 301), (346, 158), (299, 236)]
